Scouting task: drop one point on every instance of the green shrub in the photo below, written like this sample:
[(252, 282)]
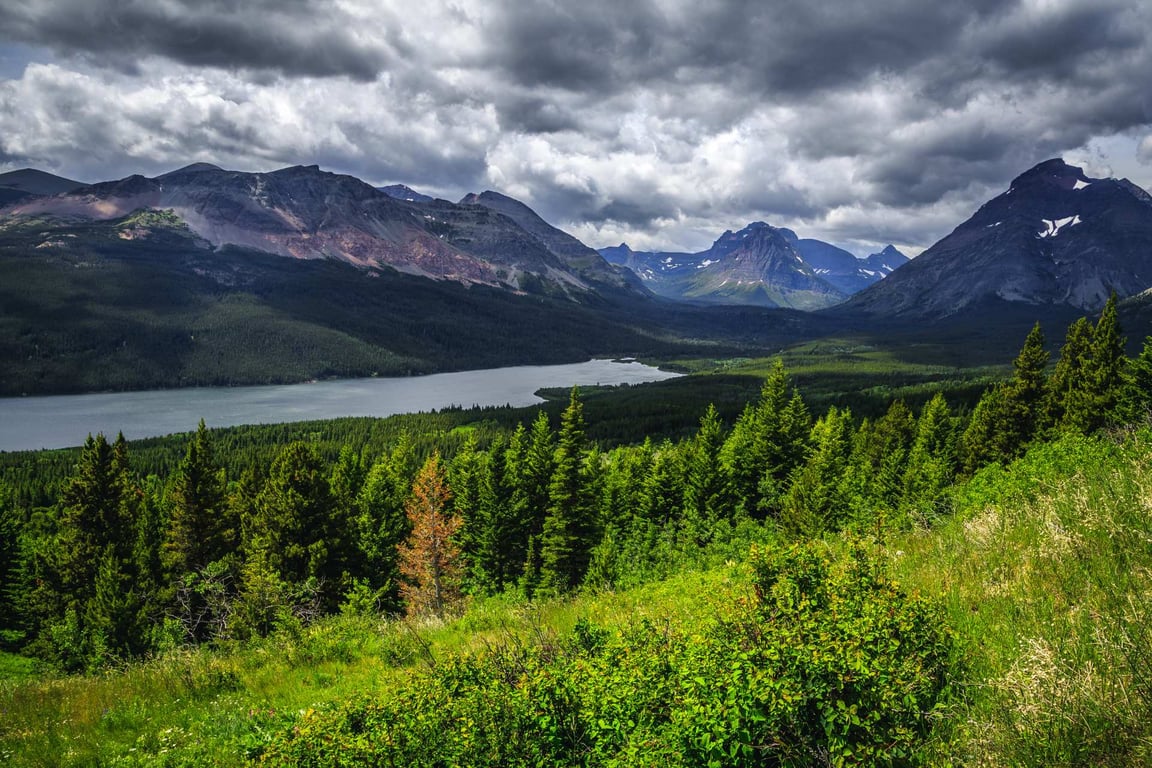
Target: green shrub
[(830, 664)]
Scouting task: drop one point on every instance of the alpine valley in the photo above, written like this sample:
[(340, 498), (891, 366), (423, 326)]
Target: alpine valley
[(204, 276)]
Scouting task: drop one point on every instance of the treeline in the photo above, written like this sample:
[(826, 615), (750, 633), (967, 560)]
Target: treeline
[(119, 566)]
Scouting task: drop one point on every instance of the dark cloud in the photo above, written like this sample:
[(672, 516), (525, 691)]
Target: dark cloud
[(646, 119), (290, 36)]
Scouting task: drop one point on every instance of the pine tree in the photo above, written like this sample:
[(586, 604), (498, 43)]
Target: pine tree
[(382, 523), (1063, 392), (430, 561), (1134, 400), (931, 462), (705, 500), (568, 535), (814, 502), (292, 529), (199, 529), (767, 442)]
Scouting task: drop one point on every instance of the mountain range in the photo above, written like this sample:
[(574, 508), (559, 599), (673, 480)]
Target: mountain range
[(209, 276), (760, 265), (305, 213)]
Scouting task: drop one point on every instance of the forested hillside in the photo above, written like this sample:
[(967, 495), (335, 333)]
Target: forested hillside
[(843, 649)]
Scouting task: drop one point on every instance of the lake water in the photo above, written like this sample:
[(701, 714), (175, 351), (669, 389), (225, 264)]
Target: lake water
[(60, 421)]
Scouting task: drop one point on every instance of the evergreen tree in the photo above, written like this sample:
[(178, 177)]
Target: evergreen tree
[(1009, 415), (292, 530), (469, 476), (1134, 400), (814, 502), (430, 561), (705, 499), (199, 527), (765, 445), (83, 595), (10, 560), (345, 482), (663, 488), (568, 535), (530, 460), (382, 523), (1069, 375), (931, 462), (1103, 375)]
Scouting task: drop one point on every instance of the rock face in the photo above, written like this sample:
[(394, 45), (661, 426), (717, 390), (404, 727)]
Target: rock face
[(761, 265), (1056, 237), (305, 213)]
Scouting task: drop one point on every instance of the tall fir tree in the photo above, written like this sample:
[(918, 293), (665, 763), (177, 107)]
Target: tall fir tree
[(705, 490), (292, 531), (566, 540), (931, 463), (1062, 395), (382, 523), (767, 442), (815, 501), (199, 529)]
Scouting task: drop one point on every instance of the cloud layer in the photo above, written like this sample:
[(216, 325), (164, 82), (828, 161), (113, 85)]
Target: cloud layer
[(659, 122)]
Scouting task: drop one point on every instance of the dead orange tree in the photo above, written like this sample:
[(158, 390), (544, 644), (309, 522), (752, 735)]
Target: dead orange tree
[(430, 558)]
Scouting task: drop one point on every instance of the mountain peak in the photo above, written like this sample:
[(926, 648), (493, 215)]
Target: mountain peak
[(1055, 172)]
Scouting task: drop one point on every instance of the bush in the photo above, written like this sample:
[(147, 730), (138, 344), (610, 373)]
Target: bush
[(830, 664)]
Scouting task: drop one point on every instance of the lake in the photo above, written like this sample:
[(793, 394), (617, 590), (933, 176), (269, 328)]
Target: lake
[(60, 421)]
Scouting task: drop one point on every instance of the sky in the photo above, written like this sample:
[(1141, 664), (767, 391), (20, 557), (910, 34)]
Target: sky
[(659, 123)]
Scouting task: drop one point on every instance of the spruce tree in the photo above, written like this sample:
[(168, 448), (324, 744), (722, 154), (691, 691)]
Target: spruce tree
[(567, 537), (1134, 400), (1104, 373), (382, 523), (815, 502), (767, 442), (931, 463), (705, 499), (293, 518), (199, 528), (1063, 395)]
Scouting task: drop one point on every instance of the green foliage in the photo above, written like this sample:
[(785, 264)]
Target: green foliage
[(833, 663), (200, 530), (567, 537)]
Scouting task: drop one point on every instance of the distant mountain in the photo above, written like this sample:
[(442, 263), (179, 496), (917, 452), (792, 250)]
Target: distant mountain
[(843, 270), (574, 254), (1055, 238), (305, 213), (761, 265), (29, 182), (401, 192)]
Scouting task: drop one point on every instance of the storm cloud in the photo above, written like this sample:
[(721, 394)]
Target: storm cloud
[(659, 122)]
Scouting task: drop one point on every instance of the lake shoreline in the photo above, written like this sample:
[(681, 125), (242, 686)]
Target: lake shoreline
[(63, 421)]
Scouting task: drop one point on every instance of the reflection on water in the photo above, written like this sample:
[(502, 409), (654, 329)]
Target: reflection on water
[(65, 420)]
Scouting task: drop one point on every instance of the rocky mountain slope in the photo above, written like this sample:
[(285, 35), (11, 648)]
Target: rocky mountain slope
[(1055, 238), (305, 213)]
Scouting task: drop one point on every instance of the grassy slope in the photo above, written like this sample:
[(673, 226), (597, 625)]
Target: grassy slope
[(202, 708), (1045, 570)]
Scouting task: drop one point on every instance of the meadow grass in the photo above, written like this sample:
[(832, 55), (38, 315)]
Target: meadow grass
[(219, 706)]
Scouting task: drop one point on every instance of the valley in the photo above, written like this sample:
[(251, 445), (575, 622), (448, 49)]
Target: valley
[(883, 511)]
